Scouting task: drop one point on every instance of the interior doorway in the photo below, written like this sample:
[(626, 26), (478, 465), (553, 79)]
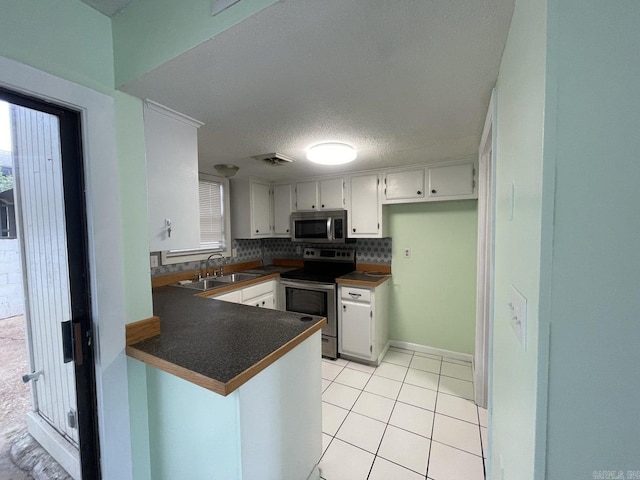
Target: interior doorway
[(484, 284), (50, 224)]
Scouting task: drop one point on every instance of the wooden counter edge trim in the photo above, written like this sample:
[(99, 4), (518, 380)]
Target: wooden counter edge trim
[(164, 280), (374, 267), (288, 262), (363, 283), (252, 371), (181, 372), (215, 386), (141, 330)]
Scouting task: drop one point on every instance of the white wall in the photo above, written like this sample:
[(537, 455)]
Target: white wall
[(11, 291)]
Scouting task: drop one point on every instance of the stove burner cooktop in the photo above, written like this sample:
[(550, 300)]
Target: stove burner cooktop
[(323, 265)]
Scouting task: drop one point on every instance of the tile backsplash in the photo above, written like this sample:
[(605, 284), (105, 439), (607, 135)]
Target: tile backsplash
[(368, 250)]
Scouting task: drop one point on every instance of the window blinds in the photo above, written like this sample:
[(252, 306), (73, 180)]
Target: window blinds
[(211, 214)]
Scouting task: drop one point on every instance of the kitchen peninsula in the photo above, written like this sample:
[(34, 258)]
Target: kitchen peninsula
[(233, 391)]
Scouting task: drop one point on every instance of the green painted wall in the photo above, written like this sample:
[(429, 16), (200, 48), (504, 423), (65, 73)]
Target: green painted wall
[(73, 41), (148, 33), (181, 409), (433, 294), (518, 161), (66, 38), (593, 158), (133, 191)]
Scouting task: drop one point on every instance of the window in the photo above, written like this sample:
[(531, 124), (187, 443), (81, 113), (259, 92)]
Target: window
[(212, 226), (214, 222)]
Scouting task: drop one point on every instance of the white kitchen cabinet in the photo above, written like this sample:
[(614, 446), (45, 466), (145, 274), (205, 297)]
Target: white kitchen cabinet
[(264, 301), (363, 322), (332, 194), (282, 208), (171, 146), (233, 297), (365, 210), (325, 194), (262, 295), (306, 196), (452, 181), (251, 209), (403, 185)]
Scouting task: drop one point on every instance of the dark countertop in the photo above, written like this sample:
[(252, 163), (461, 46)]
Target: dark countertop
[(218, 345), (363, 279)]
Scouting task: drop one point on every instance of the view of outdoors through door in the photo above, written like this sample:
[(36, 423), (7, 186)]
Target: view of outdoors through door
[(32, 208)]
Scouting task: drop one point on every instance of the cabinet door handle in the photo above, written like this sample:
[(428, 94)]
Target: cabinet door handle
[(419, 192), (355, 295), (344, 307), (313, 206), (263, 302), (434, 191), (257, 231), (354, 230), (322, 206), (287, 230)]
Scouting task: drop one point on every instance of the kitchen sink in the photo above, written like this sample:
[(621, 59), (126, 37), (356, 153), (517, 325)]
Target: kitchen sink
[(214, 282), (202, 285), (236, 277)]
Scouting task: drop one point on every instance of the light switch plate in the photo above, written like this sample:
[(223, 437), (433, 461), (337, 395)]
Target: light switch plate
[(517, 311)]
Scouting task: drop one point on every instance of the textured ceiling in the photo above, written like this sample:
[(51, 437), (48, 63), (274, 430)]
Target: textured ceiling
[(403, 81), (108, 7)]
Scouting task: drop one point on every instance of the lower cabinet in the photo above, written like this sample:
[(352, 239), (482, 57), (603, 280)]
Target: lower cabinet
[(261, 295), (363, 322)]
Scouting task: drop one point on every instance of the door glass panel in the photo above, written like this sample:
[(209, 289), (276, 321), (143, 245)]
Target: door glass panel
[(42, 230)]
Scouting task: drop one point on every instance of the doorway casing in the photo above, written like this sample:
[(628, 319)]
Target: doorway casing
[(105, 250)]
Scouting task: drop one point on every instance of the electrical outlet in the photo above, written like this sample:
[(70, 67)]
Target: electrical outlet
[(154, 261), (407, 253), (234, 252)]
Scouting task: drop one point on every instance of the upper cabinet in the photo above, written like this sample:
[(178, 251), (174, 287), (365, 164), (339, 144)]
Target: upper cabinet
[(251, 209), (403, 185), (171, 145), (365, 210), (332, 194), (450, 181), (306, 196), (327, 194), (282, 206)]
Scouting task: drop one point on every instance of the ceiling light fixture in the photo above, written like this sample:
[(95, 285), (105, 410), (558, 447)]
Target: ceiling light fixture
[(331, 153), (226, 170)]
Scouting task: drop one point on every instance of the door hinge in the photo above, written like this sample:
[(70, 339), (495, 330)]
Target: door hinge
[(378, 181), (371, 313), (378, 226), (370, 348), (72, 418)]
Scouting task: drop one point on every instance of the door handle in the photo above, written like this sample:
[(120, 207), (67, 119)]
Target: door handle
[(355, 295), (67, 342)]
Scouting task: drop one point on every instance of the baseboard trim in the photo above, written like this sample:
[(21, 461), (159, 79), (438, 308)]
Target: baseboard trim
[(465, 357), (59, 448)]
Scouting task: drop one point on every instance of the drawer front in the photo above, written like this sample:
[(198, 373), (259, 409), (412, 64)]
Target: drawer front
[(258, 290), (355, 294)]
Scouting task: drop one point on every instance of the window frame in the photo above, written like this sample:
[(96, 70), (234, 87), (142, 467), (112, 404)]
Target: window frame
[(170, 257)]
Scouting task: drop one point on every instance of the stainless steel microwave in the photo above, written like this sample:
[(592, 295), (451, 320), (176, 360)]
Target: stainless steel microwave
[(328, 226)]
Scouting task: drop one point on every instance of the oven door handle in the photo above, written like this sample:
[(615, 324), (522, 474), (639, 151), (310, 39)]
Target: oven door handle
[(329, 228), (328, 287)]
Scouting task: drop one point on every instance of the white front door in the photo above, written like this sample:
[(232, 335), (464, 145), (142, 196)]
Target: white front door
[(42, 231)]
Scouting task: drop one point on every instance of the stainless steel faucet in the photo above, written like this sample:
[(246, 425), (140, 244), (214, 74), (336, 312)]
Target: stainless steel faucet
[(220, 270)]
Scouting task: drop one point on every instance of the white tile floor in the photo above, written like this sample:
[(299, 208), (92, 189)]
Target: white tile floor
[(412, 418)]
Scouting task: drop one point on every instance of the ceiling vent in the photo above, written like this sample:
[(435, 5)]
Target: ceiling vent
[(274, 159)]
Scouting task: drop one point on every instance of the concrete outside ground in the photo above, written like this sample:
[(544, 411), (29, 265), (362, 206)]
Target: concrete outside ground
[(16, 445)]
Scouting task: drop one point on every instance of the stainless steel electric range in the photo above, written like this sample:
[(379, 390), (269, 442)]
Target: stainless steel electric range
[(312, 289)]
